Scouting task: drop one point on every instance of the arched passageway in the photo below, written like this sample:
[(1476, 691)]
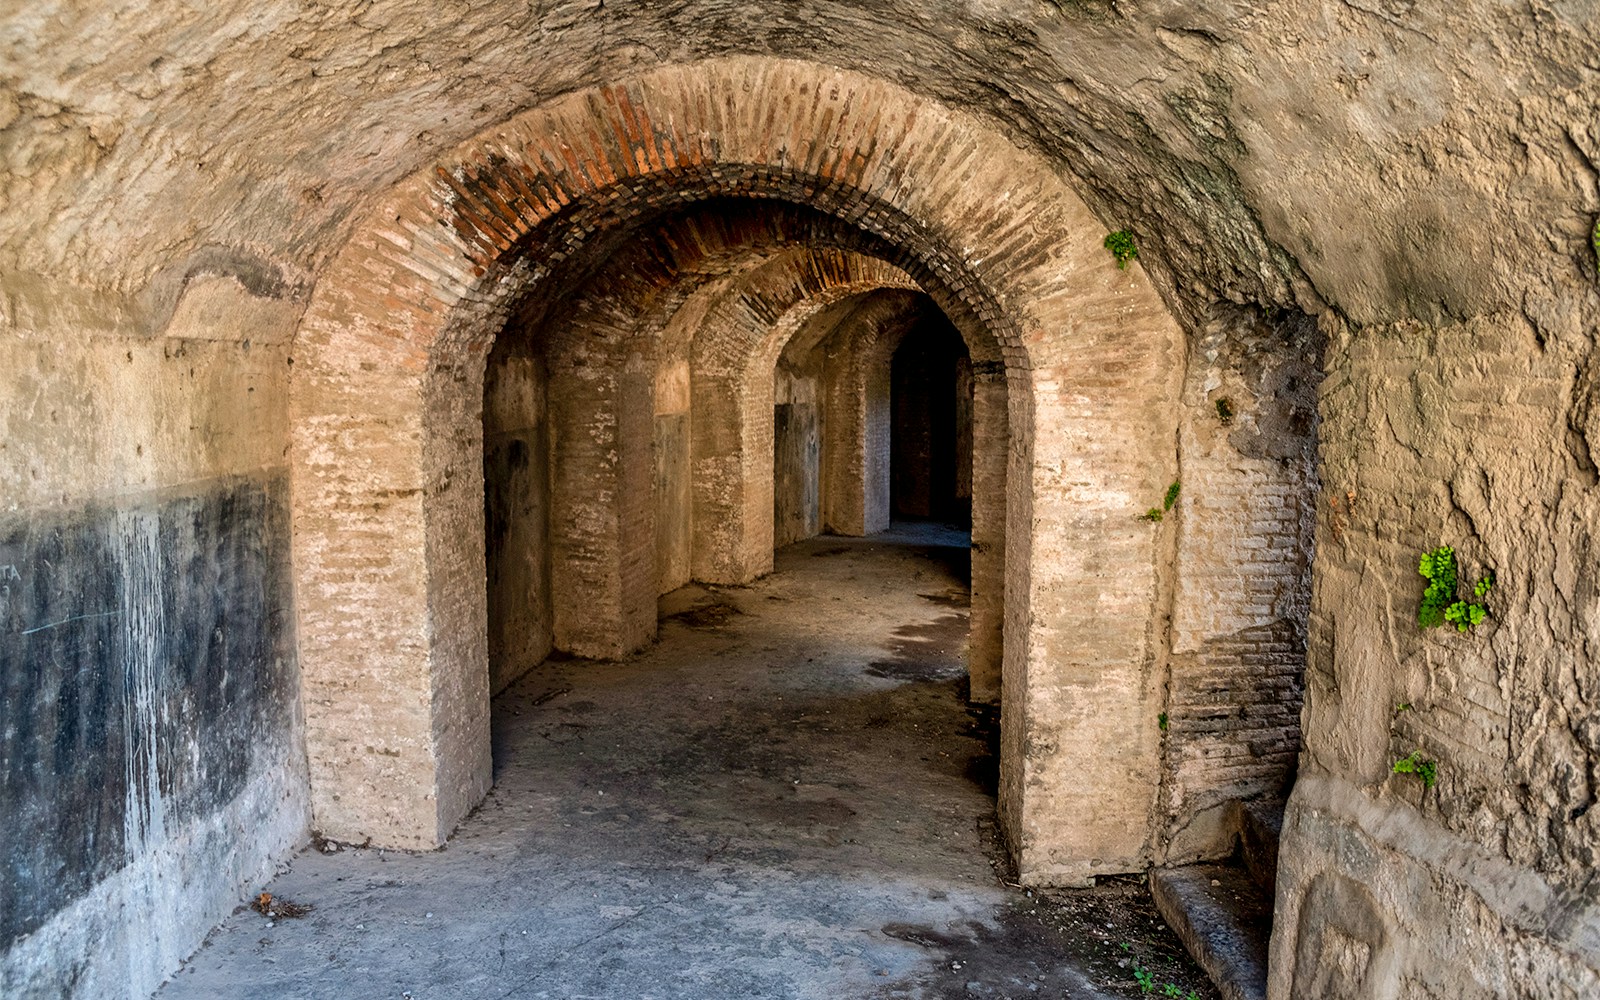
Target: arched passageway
[(705, 328), (759, 339), (521, 230)]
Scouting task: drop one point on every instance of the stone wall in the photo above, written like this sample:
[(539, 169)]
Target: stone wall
[(1241, 535), (148, 680), (1474, 436)]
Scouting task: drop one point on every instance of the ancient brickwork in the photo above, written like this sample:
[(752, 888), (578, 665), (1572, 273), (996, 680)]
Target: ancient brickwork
[(526, 188), (1241, 529)]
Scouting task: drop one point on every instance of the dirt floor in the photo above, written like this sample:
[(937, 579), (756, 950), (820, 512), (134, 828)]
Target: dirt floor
[(785, 797)]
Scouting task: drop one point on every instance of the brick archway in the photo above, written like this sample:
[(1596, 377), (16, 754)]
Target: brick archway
[(386, 453), (723, 288)]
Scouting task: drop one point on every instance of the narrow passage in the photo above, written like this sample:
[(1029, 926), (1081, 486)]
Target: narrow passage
[(785, 797)]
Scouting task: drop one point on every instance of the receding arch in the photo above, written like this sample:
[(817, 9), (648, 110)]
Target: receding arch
[(722, 286), (733, 358), (387, 444)]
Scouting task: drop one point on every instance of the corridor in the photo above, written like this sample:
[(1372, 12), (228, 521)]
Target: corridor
[(785, 796)]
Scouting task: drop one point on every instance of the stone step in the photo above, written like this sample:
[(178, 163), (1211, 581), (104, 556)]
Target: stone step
[(1225, 920), (1260, 824)]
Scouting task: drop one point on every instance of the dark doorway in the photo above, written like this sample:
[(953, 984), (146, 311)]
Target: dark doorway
[(931, 427)]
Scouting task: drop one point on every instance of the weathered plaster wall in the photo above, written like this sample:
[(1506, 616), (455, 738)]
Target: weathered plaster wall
[(1477, 436), (148, 681)]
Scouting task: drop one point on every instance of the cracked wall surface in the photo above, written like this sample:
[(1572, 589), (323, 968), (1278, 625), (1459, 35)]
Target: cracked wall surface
[(1419, 181), (1458, 436)]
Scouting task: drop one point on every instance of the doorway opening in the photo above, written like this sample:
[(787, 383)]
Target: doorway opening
[(931, 430)]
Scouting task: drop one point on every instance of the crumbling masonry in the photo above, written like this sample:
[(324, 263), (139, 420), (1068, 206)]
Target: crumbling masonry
[(357, 358)]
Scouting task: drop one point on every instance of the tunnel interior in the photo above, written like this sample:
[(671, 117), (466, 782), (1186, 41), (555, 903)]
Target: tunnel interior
[(737, 379), (776, 421)]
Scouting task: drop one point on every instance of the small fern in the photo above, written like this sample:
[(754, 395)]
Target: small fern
[(1439, 601), (1422, 767), (1439, 569)]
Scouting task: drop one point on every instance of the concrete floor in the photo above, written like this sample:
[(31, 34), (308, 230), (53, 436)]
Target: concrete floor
[(784, 797)]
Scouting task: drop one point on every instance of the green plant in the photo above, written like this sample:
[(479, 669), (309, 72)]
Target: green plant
[(1422, 767), (1464, 615), (1439, 601), (1146, 980), (1594, 242), (1161, 720), (1439, 569), (1154, 514), (1120, 243), (1225, 411)]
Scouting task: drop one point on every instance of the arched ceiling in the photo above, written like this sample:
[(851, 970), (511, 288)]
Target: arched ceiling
[(1389, 158)]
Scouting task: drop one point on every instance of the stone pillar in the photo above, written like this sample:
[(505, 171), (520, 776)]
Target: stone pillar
[(990, 455), (602, 510), (856, 437), (732, 489), (391, 603), (1085, 644), (674, 508), (795, 461)]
